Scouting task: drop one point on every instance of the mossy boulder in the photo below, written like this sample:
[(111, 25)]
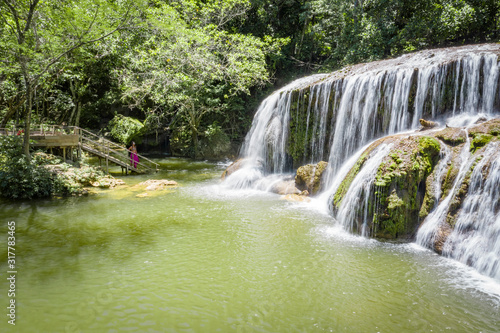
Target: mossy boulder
[(309, 177), (452, 135), (479, 140), (400, 188)]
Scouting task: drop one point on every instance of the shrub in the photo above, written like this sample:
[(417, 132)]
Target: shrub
[(124, 129), (20, 178)]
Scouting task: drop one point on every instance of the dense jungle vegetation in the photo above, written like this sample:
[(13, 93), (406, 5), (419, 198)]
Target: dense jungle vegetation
[(196, 69)]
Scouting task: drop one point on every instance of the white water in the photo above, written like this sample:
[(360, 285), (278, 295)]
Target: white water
[(475, 240), (358, 196), (346, 112), (430, 228), (372, 101)]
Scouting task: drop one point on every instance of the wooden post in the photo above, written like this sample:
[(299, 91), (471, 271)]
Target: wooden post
[(79, 143), (64, 154), (107, 154)]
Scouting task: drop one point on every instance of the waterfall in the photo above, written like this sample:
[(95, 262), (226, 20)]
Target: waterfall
[(431, 227), (358, 196), (340, 117), (475, 240), (330, 116)]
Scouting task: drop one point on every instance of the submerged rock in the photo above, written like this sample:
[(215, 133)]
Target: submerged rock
[(295, 198), (158, 184), (309, 177)]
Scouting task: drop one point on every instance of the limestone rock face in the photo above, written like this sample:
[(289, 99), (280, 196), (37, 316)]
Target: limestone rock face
[(309, 177), (398, 192), (158, 184), (418, 172)]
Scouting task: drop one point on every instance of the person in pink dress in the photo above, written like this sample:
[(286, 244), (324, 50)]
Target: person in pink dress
[(133, 155)]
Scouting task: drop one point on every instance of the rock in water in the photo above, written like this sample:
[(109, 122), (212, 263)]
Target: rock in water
[(309, 177), (285, 187), (233, 167), (428, 124), (158, 184)]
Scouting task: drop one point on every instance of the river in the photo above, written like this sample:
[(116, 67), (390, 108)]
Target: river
[(201, 258)]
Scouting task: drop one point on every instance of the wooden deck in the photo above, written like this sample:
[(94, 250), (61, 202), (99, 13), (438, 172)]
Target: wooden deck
[(75, 139)]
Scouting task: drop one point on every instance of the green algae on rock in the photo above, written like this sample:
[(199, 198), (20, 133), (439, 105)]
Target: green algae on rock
[(400, 185), (309, 177)]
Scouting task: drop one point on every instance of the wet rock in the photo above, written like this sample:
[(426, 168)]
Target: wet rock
[(158, 184), (441, 236), (232, 168), (309, 177), (295, 198), (428, 123), (451, 135), (285, 187)]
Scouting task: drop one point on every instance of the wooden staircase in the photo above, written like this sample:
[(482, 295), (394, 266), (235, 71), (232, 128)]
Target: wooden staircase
[(65, 137)]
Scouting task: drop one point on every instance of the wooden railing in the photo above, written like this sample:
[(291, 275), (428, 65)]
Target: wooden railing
[(92, 143)]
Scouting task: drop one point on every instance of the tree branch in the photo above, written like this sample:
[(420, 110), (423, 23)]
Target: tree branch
[(74, 47)]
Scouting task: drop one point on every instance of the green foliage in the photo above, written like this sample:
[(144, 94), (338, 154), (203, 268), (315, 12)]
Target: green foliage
[(186, 64), (215, 143), (21, 178), (124, 129)]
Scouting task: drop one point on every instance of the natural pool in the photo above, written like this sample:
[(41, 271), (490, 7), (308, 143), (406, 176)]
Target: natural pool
[(204, 259)]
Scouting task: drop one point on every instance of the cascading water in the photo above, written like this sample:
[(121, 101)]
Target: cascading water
[(330, 117), (358, 196), (475, 240), (428, 232)]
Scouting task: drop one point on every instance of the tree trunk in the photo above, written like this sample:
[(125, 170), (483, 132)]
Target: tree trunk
[(194, 134), (78, 112), (27, 123)]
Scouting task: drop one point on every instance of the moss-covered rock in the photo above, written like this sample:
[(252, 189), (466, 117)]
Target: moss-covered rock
[(452, 135), (309, 177), (479, 140), (399, 188)]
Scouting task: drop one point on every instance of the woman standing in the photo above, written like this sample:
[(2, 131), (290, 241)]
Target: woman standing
[(133, 155)]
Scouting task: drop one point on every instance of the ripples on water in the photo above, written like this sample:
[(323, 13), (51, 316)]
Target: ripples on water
[(206, 259)]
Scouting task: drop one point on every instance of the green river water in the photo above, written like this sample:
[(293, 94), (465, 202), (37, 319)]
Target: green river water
[(204, 259)]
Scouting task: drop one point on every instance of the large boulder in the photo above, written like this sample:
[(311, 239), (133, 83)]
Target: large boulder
[(284, 187), (309, 177), (232, 168), (398, 193)]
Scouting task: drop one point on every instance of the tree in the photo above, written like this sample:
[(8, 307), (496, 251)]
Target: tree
[(187, 71), (37, 35)]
